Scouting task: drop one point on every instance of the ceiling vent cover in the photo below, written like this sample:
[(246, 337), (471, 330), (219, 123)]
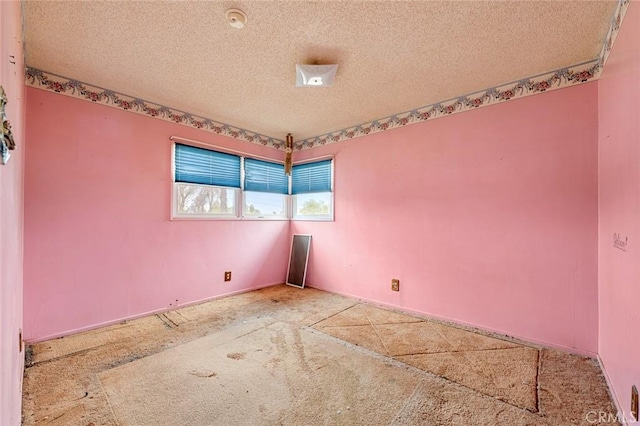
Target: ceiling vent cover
[(315, 75)]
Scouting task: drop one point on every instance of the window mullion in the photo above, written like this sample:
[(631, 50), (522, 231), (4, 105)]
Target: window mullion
[(241, 195)]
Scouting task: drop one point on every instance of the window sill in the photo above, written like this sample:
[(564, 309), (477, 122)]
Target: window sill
[(222, 218), (313, 219)]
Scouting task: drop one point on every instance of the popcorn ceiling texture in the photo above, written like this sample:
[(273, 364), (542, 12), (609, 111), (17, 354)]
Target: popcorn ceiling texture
[(392, 56)]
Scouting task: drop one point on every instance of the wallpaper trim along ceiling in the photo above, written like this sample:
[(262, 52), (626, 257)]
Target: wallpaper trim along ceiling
[(74, 88), (579, 73)]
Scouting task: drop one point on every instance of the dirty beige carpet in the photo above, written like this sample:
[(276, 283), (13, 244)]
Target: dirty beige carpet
[(304, 357), (280, 374)]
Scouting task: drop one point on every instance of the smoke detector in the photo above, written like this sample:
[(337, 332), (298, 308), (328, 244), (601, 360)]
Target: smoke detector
[(236, 18)]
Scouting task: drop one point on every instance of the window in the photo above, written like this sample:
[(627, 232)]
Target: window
[(266, 189), (311, 189), (216, 185), (210, 184), (207, 183)]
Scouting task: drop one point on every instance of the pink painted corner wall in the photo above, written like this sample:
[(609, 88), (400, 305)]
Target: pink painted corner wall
[(488, 218), (99, 243), (619, 204), (11, 217)]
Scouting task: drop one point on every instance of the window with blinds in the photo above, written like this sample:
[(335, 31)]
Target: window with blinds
[(206, 183), (266, 189), (210, 184), (312, 190)]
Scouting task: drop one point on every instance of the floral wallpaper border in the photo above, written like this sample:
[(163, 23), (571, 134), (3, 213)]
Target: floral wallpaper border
[(580, 73), (612, 34), (526, 87), (65, 86), (563, 77)]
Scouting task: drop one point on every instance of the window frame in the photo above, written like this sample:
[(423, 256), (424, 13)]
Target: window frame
[(239, 193), (294, 197), (289, 202), (285, 201)]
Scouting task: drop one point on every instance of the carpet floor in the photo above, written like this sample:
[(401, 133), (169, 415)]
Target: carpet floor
[(286, 356)]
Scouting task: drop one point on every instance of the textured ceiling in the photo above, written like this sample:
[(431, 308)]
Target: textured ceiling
[(393, 56)]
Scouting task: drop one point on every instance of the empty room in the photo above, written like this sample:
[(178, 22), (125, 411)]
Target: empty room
[(319, 212)]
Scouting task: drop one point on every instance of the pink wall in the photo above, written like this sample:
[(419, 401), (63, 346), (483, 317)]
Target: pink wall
[(488, 218), (99, 245), (619, 161), (11, 217)]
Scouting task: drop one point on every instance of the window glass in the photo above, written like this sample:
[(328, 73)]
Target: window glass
[(204, 200), (312, 190), (265, 205)]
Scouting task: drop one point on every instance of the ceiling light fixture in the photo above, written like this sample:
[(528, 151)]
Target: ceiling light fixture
[(315, 75), (237, 18)]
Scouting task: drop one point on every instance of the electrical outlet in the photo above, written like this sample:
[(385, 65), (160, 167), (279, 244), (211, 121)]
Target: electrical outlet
[(395, 284), (227, 276), (634, 403)]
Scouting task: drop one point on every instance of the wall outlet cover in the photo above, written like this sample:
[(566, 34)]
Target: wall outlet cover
[(395, 285)]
